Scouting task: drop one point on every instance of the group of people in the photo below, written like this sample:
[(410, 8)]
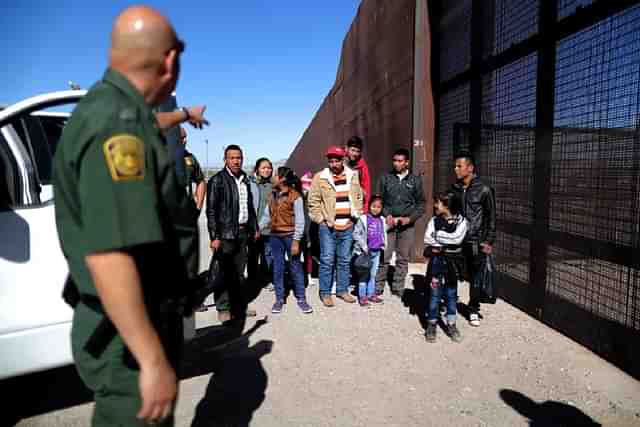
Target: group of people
[(268, 222), (128, 229)]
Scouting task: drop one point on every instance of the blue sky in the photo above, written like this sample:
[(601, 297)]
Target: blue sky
[(261, 67)]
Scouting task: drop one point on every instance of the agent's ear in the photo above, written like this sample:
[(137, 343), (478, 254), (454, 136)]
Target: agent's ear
[(171, 64)]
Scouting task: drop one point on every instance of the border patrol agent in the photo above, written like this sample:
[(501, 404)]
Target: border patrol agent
[(193, 173), (127, 229)]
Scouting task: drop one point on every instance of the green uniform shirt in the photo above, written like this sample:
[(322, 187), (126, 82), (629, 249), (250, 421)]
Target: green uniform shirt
[(193, 171), (116, 189)]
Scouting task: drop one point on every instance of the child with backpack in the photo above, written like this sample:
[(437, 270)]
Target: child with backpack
[(443, 240), (370, 239)]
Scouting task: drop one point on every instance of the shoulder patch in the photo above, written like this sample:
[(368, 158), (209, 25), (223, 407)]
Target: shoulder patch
[(125, 157), (188, 160)]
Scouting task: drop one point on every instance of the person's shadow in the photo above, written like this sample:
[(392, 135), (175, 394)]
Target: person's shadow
[(547, 414), (238, 384)]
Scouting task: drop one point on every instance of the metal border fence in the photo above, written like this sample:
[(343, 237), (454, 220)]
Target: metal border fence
[(546, 94)]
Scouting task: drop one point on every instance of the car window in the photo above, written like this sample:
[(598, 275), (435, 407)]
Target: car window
[(39, 148), (9, 182)]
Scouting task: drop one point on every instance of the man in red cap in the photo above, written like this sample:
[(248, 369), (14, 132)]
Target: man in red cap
[(335, 202)]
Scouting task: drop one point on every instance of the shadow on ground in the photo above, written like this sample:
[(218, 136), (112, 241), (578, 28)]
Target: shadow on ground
[(61, 388), (547, 414), (237, 387)]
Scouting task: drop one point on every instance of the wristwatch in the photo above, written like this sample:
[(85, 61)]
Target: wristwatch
[(186, 111)]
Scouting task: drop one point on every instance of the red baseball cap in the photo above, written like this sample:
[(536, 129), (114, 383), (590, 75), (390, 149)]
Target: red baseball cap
[(335, 151)]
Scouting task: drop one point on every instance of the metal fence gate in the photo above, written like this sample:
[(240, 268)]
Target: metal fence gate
[(546, 94)]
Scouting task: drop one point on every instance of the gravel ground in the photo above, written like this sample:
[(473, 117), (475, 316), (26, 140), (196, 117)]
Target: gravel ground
[(350, 366)]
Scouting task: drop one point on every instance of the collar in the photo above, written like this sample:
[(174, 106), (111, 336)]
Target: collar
[(328, 175), (118, 80), (238, 179), (402, 175)]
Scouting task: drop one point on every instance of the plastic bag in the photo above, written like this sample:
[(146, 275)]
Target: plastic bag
[(485, 281), (362, 267)]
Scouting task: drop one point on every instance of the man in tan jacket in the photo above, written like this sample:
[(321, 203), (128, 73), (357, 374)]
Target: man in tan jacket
[(335, 202)]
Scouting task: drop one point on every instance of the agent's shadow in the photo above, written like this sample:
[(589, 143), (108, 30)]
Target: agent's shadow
[(547, 414), (238, 384)]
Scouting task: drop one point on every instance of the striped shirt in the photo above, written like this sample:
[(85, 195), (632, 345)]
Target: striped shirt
[(343, 204)]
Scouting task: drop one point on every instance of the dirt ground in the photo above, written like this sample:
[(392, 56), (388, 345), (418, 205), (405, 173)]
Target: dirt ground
[(350, 366)]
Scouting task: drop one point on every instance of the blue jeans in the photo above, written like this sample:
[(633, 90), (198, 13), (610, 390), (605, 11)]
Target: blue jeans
[(279, 246), (335, 248), (368, 289), (440, 288)]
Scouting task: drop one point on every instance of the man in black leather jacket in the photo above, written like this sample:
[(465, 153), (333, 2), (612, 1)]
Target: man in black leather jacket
[(232, 224), (479, 207)]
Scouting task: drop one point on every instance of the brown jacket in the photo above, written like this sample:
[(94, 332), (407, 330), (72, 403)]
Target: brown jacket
[(282, 212), (322, 197)]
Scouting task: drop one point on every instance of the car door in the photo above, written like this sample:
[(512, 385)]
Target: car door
[(34, 320)]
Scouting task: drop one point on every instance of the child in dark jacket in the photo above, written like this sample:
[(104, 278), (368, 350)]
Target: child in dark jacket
[(443, 240)]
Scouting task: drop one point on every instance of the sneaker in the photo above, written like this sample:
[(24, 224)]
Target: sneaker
[(376, 299), (430, 335), (347, 297), (305, 307), (277, 307), (327, 301), (364, 302), (454, 333), (474, 319)]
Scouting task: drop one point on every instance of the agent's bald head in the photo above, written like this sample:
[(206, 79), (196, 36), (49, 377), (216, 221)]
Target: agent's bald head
[(145, 48), (140, 37)]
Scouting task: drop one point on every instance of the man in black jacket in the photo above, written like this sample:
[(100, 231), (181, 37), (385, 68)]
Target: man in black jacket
[(404, 202), (479, 207), (232, 227)]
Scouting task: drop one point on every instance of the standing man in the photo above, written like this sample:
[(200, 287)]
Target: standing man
[(232, 223), (355, 161), (335, 202), (126, 227), (193, 173), (404, 201), (479, 207)]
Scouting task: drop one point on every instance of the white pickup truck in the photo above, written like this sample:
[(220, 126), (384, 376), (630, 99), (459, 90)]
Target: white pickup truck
[(35, 322)]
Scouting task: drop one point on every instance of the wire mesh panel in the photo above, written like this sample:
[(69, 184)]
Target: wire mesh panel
[(569, 7), (454, 111), (594, 190), (455, 38), (511, 22), (595, 185), (554, 123)]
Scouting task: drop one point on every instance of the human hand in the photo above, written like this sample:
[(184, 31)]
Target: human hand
[(405, 220), (256, 237), (215, 245), (486, 248), (196, 116), (158, 389), (295, 248), (390, 221)]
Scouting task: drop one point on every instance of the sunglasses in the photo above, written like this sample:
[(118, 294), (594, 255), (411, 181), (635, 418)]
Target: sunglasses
[(179, 46)]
